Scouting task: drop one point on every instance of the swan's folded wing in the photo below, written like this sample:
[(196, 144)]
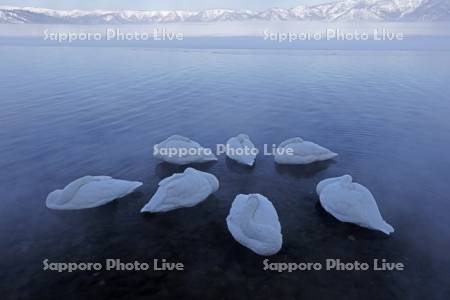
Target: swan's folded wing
[(170, 179), (344, 207), (101, 192), (294, 140), (183, 191), (327, 182), (177, 137)]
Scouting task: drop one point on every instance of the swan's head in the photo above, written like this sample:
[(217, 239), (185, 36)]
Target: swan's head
[(253, 200), (296, 140), (72, 188), (242, 137), (265, 235), (346, 181)]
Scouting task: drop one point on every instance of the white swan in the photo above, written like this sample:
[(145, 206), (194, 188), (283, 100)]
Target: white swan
[(90, 191), (241, 149), (181, 150), (182, 190), (253, 222), (351, 202), (296, 151)]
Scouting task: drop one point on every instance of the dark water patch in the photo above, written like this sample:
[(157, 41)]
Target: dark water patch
[(69, 112)]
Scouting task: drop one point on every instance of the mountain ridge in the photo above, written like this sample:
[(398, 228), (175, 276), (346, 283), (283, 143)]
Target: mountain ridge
[(338, 11)]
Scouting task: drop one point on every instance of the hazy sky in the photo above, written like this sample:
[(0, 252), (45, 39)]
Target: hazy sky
[(160, 4)]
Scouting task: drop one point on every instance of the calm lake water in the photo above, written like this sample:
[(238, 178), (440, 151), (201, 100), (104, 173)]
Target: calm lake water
[(67, 112)]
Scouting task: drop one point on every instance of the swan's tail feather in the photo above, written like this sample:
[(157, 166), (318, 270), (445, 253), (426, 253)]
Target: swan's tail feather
[(386, 228)]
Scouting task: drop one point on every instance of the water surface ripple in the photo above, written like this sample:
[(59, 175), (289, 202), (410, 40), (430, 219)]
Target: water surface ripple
[(69, 112)]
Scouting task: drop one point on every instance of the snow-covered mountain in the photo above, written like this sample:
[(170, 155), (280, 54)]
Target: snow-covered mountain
[(344, 10)]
